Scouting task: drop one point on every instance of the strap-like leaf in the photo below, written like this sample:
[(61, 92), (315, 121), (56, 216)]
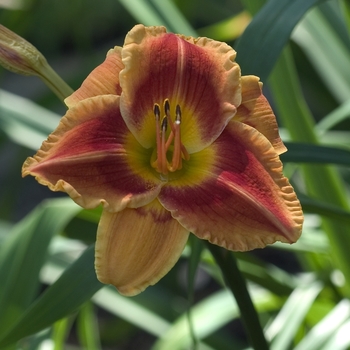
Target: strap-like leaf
[(309, 153), (24, 253), (324, 208), (76, 285), (264, 38)]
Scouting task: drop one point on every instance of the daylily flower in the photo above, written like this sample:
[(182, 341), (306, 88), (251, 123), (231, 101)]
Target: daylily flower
[(170, 139)]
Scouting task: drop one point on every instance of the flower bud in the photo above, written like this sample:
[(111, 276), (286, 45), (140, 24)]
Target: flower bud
[(19, 56)]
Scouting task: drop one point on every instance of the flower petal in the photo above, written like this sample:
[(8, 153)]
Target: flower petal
[(103, 80), (199, 75), (137, 247), (242, 201), (256, 111), (95, 159)]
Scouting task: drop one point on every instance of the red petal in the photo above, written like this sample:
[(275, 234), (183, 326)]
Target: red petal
[(95, 159), (243, 201), (199, 75)]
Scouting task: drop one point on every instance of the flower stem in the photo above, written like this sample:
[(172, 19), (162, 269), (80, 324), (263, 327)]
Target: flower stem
[(57, 85), (237, 284)]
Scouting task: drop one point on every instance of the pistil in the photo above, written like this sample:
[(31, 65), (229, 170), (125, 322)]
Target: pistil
[(171, 143)]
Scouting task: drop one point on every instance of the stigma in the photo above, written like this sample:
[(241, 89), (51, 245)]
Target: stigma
[(169, 149)]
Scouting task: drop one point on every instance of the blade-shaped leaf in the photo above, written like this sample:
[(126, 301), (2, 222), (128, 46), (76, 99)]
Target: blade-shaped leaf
[(208, 316), (322, 182), (322, 208), (335, 117), (76, 285), (310, 153), (25, 122), (173, 17), (326, 328), (340, 339), (143, 12), (23, 254), (88, 327), (264, 38), (285, 325), (237, 284), (328, 54), (194, 259)]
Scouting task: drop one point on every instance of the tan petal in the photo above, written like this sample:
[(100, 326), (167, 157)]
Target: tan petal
[(103, 80), (256, 111), (137, 247)]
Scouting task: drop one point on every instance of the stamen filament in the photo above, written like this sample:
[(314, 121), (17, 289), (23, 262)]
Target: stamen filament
[(163, 159), (176, 162), (169, 140), (156, 111), (172, 142), (184, 152)]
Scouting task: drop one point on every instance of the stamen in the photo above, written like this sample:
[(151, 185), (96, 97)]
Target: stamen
[(176, 162), (178, 114), (164, 124), (163, 159), (167, 108), (178, 119), (170, 122), (156, 111), (172, 142)]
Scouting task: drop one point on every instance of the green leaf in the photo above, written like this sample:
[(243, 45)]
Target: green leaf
[(88, 328), (61, 331), (195, 257), (159, 12), (340, 138), (335, 117), (326, 328), (237, 284), (323, 208), (209, 315), (263, 40), (322, 182), (23, 255), (131, 311), (327, 52), (108, 298), (286, 324), (340, 339), (266, 275), (309, 153), (143, 12), (25, 122), (174, 19), (228, 29), (77, 284), (336, 17)]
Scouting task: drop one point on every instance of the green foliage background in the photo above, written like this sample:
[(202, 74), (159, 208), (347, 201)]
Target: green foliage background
[(49, 295)]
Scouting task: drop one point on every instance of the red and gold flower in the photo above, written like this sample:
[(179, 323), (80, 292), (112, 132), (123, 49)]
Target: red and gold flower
[(170, 139)]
